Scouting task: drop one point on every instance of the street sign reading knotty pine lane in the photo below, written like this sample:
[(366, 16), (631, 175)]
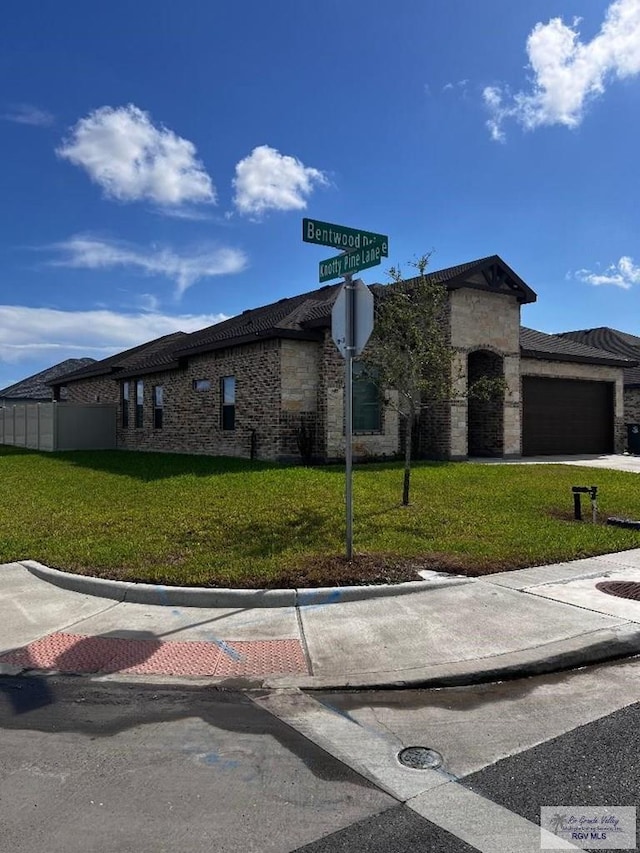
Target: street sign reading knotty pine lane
[(341, 237), (350, 262), (362, 249)]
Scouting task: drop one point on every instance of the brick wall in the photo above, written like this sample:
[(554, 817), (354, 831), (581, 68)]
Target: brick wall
[(486, 416), (192, 419), (632, 405), (370, 445)]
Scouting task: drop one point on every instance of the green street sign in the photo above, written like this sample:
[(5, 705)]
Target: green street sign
[(351, 262), (341, 237)]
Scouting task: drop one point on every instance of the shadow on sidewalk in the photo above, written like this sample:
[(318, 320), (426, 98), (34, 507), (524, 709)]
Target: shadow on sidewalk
[(114, 651)]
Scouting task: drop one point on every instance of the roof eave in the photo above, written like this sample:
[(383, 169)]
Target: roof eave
[(65, 380), (541, 355), (229, 343), (523, 293), (144, 371)]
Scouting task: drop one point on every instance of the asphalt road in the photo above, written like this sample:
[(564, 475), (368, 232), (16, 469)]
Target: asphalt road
[(100, 766), (594, 765), (109, 767)]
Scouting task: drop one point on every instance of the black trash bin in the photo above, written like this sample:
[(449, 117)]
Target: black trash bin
[(633, 438)]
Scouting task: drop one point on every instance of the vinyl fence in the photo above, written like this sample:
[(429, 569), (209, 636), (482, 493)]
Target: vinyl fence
[(59, 426)]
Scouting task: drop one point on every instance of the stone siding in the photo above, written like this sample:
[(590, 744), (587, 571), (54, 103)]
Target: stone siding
[(484, 320), (300, 431), (487, 322)]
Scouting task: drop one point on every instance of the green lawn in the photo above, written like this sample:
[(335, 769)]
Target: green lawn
[(197, 520)]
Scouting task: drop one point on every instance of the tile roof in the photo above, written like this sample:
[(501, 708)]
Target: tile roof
[(288, 317), (611, 340), (38, 386), (299, 316), (159, 352), (478, 274), (534, 344)]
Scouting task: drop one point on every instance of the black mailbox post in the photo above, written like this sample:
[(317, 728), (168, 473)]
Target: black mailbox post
[(592, 491)]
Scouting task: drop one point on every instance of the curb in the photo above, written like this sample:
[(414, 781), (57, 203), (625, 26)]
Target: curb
[(606, 645), (601, 646), (184, 596)]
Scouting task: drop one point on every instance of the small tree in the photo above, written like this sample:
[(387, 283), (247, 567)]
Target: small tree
[(409, 350)]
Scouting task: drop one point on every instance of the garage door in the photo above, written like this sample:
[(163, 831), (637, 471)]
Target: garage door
[(566, 416)]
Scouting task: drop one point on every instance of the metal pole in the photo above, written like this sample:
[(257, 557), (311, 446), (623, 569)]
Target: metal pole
[(348, 409), (577, 509)]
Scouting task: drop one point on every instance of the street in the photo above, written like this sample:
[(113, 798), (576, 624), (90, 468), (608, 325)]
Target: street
[(105, 765)]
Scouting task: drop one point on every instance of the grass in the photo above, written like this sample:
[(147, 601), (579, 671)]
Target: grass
[(189, 520)]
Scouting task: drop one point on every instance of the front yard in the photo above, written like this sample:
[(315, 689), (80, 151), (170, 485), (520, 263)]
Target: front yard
[(226, 522)]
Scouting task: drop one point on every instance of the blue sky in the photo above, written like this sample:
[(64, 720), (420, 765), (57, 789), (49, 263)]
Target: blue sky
[(158, 157)]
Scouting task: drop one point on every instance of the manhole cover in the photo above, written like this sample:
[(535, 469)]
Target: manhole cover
[(621, 589), (420, 758)]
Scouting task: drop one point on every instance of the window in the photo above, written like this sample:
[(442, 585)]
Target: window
[(228, 401), (201, 384), (367, 411), (158, 405), (139, 402), (125, 405)]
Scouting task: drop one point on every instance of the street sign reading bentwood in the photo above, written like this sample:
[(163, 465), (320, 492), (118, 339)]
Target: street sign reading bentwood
[(362, 249), (341, 237)]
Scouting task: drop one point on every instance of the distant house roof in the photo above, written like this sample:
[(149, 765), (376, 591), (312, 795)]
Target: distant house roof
[(38, 386), (535, 344), (611, 340), (300, 317)]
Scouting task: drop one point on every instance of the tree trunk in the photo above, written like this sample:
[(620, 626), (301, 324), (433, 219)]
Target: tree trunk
[(407, 461)]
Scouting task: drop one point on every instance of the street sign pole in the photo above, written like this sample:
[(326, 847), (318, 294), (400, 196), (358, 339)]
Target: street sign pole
[(351, 317), (348, 409)]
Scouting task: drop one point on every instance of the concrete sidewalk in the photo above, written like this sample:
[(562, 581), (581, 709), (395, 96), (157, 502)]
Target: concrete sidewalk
[(441, 631)]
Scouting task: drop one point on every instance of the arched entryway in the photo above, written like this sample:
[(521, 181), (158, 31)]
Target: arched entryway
[(485, 416)]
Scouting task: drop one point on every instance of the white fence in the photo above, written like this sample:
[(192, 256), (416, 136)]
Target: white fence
[(59, 426)]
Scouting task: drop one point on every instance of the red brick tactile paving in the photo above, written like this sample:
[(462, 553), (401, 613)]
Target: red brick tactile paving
[(77, 653)]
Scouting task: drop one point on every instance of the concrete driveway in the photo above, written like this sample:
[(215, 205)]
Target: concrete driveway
[(614, 461)]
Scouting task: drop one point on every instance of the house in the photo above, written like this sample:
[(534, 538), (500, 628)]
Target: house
[(268, 383), (620, 343), (37, 388)]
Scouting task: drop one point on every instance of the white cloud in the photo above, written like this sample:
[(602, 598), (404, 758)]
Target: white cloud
[(87, 252), (268, 180), (569, 73), (28, 114), (42, 337), (459, 84), (132, 159), (622, 274)]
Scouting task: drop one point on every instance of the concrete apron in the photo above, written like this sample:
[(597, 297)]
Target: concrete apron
[(505, 625)]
